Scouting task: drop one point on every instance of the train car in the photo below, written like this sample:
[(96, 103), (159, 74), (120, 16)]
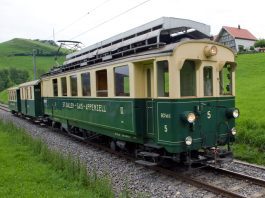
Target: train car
[(31, 101), (162, 88), (14, 100)]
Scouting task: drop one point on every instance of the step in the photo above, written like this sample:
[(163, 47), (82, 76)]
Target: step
[(152, 145), (145, 163), (148, 154)]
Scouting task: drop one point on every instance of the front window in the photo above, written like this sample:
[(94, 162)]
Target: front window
[(188, 79), (208, 81), (122, 84), (225, 80)]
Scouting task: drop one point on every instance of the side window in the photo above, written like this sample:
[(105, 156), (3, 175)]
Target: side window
[(55, 87), (29, 90), (162, 79), (188, 79), (86, 87), (73, 85), (102, 83), (208, 81), (122, 82), (21, 94), (225, 80), (26, 93), (64, 86)]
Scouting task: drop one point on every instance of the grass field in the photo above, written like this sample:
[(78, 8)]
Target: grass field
[(29, 169)]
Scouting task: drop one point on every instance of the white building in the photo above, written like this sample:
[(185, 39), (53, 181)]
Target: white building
[(236, 38)]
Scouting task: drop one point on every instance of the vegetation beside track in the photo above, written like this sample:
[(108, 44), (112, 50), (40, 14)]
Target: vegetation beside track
[(250, 86), (28, 169)]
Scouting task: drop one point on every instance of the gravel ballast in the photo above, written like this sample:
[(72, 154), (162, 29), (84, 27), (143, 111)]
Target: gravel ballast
[(139, 181)]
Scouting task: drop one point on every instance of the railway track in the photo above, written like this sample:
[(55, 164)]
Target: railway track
[(4, 107), (197, 181), (187, 177)]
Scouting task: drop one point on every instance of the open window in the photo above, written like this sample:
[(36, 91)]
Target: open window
[(102, 83), (122, 83), (162, 79), (188, 79), (226, 80)]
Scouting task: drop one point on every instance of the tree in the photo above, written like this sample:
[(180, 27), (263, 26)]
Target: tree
[(4, 79), (260, 43), (18, 76)]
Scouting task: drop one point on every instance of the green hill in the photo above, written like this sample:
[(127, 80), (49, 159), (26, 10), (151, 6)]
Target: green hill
[(24, 47), (17, 53)]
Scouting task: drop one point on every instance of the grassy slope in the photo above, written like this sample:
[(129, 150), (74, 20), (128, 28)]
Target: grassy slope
[(16, 46), (25, 46), (250, 86), (25, 174)]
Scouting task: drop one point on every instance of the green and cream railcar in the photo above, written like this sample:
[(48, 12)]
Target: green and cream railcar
[(31, 102), (148, 87), (177, 97), (14, 99)]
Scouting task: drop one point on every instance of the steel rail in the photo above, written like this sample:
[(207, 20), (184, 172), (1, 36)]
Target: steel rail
[(238, 175), (4, 107)]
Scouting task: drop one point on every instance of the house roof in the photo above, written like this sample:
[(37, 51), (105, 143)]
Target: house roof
[(239, 33)]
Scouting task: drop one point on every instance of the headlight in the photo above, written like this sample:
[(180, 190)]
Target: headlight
[(232, 113), (235, 113), (188, 140), (189, 117), (233, 131), (210, 51)]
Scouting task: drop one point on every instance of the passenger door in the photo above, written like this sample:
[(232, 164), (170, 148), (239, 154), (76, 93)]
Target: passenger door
[(149, 101)]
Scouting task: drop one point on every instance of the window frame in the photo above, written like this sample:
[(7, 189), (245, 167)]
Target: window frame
[(121, 94), (71, 84)]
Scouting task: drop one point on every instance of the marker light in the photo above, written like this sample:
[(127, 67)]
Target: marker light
[(210, 51)]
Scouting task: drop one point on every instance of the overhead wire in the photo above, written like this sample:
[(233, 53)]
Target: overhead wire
[(81, 17), (112, 18)]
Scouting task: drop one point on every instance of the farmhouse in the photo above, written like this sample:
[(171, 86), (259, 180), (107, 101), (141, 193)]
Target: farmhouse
[(236, 38)]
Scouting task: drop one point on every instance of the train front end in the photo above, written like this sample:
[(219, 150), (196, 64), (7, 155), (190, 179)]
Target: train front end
[(199, 118)]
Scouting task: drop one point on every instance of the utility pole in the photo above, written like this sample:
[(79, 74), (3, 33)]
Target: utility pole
[(34, 63)]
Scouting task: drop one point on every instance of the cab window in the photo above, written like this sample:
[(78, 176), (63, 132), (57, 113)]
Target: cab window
[(225, 80), (162, 79), (122, 84), (208, 81), (188, 79)]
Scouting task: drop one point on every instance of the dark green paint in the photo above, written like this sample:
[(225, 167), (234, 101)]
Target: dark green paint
[(144, 120)]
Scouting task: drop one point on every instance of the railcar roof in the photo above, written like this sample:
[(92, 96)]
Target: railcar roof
[(169, 24), (30, 83), (13, 88)]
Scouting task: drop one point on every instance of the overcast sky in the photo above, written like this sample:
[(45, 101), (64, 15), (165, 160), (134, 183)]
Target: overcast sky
[(35, 19)]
